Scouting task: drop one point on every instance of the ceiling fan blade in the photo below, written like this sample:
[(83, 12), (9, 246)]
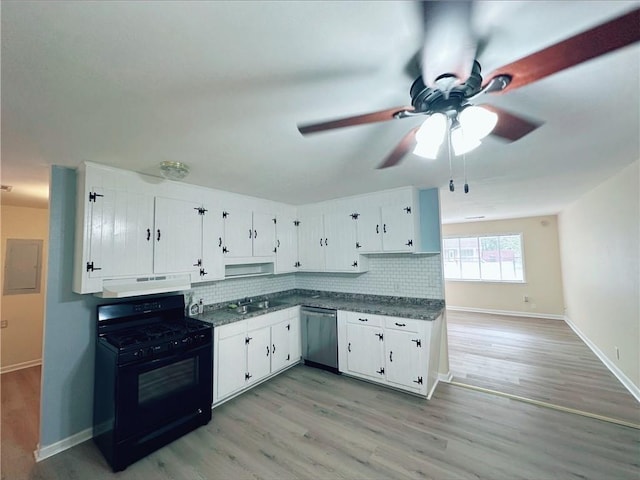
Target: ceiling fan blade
[(449, 40), (380, 116), (406, 144), (511, 127), (592, 43)]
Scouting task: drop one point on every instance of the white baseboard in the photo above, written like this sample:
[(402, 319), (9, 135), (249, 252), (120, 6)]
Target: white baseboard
[(20, 366), (49, 450), (628, 384), (445, 377), (509, 313)]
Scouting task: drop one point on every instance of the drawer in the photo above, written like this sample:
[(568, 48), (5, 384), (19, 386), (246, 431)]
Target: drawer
[(365, 319), (266, 320), (231, 329), (406, 324)]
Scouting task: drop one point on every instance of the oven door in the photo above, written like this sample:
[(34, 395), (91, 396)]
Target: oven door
[(156, 392)]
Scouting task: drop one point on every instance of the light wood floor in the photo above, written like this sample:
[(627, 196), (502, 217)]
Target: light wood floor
[(536, 358), (307, 423)]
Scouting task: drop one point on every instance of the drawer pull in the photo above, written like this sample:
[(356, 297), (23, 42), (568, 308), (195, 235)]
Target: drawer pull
[(401, 324), (363, 319)]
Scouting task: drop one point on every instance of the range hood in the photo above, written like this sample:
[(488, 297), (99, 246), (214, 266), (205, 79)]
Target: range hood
[(131, 287)]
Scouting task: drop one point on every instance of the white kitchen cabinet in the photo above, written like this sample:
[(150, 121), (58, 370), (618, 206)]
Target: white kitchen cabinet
[(247, 352), (397, 352), (286, 244), (124, 232), (248, 234), (258, 354), (327, 243), (403, 359), (311, 243), (178, 236), (389, 228), (341, 254), (365, 350), (119, 236), (230, 359)]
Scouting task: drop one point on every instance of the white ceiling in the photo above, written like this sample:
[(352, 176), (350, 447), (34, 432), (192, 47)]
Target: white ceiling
[(222, 85)]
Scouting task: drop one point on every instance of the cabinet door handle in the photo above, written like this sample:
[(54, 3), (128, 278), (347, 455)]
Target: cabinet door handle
[(250, 233), (401, 324), (320, 242), (363, 319), (326, 242), (273, 349), (377, 228), (158, 234), (349, 347), (148, 234), (384, 228), (219, 241), (391, 356), (267, 350), (255, 234), (278, 243)]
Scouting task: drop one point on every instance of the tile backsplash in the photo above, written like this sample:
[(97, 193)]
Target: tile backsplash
[(418, 276)]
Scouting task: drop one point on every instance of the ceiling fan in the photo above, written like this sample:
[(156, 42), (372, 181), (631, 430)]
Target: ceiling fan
[(448, 84)]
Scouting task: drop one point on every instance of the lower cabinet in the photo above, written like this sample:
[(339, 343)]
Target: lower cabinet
[(397, 352), (248, 351)]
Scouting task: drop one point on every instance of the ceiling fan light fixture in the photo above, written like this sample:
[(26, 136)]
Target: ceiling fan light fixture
[(430, 135), (477, 122), (461, 142), (174, 170)]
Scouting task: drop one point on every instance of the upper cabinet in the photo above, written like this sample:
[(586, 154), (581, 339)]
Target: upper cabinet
[(124, 231), (286, 248), (327, 242), (248, 233)]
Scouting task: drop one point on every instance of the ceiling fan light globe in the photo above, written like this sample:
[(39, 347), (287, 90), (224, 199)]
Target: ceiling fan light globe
[(174, 170), (426, 150), (463, 143), (432, 129), (477, 122)]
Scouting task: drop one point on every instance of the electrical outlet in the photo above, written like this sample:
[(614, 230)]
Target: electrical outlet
[(4, 323), (525, 299), (617, 353)]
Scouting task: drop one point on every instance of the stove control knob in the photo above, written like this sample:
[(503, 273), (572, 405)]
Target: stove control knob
[(139, 353)]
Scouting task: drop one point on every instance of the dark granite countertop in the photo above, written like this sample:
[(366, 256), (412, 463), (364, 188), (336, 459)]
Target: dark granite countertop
[(404, 307)]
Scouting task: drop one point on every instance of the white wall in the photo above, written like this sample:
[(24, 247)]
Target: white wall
[(543, 279), (599, 244), (22, 339)]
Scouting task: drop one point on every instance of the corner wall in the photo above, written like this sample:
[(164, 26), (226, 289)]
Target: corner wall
[(600, 243), (21, 340), (541, 264)]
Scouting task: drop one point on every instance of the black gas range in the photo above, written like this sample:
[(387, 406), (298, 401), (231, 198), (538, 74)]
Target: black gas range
[(153, 377)]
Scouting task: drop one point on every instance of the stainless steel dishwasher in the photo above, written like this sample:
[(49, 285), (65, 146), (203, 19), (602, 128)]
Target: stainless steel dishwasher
[(320, 338)]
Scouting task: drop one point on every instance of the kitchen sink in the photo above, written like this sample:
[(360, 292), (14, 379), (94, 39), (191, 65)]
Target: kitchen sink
[(257, 306)]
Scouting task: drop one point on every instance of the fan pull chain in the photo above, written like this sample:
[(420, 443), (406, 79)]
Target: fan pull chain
[(452, 187)]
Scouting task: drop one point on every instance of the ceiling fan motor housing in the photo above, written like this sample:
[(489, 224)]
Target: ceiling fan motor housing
[(431, 100)]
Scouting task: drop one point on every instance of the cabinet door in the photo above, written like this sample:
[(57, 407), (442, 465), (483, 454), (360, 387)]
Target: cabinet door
[(286, 244), (311, 243), (264, 234), (238, 233), (404, 362), (295, 339), (340, 242), (231, 365), (365, 350), (397, 228), (258, 354), (120, 233), (212, 257), (369, 230), (280, 345), (178, 236)]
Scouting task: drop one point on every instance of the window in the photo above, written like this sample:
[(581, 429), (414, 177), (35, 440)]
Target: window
[(490, 258)]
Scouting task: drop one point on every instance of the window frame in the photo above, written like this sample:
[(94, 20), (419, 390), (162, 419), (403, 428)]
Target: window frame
[(478, 237)]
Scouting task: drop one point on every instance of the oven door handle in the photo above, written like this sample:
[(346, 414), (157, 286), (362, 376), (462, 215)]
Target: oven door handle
[(151, 363)]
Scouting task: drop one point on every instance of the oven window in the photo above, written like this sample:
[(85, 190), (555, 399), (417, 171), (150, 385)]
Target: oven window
[(165, 380)]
